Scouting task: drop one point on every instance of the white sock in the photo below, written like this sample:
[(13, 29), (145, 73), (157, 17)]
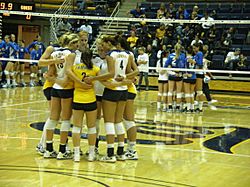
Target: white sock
[(164, 105), (132, 146), (158, 105), (188, 106), (8, 81), (77, 150), (91, 149), (200, 105)]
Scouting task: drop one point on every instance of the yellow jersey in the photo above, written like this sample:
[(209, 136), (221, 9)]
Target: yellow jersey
[(132, 88), (47, 84), (82, 95)]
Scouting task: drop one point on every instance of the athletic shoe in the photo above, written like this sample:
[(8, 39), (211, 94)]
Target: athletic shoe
[(6, 86), (76, 157), (87, 152), (91, 157), (40, 150), (131, 155), (32, 84), (121, 157), (48, 154), (108, 159), (64, 156), (212, 101)]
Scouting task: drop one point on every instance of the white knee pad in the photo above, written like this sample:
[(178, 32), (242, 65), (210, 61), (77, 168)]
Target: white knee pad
[(65, 126), (92, 130), (160, 94), (32, 75), (6, 72), (199, 93), (187, 95), (22, 73), (110, 128), (51, 124), (119, 129), (165, 94), (128, 124), (179, 95), (76, 130), (170, 94)]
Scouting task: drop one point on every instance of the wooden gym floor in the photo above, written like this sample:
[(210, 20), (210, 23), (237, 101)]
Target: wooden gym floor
[(209, 149)]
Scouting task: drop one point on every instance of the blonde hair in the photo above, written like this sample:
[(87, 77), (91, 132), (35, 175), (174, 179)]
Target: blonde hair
[(83, 33), (142, 49), (67, 39)]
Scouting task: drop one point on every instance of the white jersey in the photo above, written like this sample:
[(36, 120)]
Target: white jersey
[(102, 64), (162, 77), (78, 57), (121, 62), (60, 68)]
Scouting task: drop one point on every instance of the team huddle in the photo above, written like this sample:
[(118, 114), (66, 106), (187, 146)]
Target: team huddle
[(77, 84)]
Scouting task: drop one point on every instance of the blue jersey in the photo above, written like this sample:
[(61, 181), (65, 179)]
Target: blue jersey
[(189, 66), (22, 51), (41, 47), (199, 61), (34, 55), (10, 50), (2, 47), (175, 63)]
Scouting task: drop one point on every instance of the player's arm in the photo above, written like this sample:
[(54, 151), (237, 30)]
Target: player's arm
[(68, 69), (46, 59), (132, 69)]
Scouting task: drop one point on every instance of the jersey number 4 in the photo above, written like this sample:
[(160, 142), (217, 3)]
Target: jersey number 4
[(60, 66), (121, 65)]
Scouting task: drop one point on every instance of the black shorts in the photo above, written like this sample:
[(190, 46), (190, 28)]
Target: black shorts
[(47, 93), (131, 96), (34, 64), (21, 63), (115, 95), (191, 81), (84, 106), (175, 78), (99, 98), (201, 76), (163, 81), (64, 94)]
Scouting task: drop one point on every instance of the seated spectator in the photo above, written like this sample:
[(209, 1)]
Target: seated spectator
[(194, 15), (241, 63), (162, 11), (87, 28), (171, 10), (220, 47), (196, 40), (145, 37), (206, 26), (182, 13), (160, 33), (187, 35), (232, 59), (63, 27), (211, 38), (132, 40), (137, 13), (198, 11), (152, 57)]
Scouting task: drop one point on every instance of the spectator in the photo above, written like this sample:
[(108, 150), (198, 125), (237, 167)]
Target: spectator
[(171, 10), (87, 28), (197, 40), (182, 13), (63, 27), (162, 11), (144, 36), (137, 13), (152, 57), (160, 33), (143, 63), (241, 63), (132, 40), (232, 59), (206, 26)]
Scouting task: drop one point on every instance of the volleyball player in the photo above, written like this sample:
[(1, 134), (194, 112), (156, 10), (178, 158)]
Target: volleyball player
[(61, 99), (84, 102), (2, 47), (10, 52), (45, 61), (189, 80), (34, 55), (114, 100), (16, 64), (175, 60), (198, 57), (21, 52), (162, 83), (128, 115)]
